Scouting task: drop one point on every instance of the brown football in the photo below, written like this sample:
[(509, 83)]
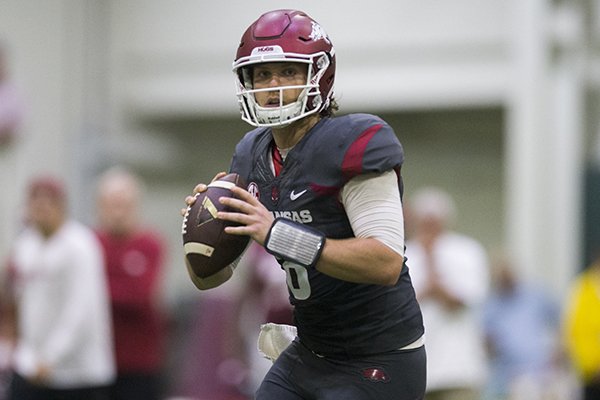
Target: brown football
[(207, 247)]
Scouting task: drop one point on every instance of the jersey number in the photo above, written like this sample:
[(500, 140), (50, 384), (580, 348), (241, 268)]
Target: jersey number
[(297, 280)]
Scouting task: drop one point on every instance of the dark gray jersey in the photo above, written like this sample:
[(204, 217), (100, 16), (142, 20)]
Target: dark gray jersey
[(333, 317)]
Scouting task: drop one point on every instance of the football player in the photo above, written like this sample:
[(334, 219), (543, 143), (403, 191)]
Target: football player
[(324, 197)]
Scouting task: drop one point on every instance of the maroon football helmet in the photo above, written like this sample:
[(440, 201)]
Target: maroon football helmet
[(285, 36)]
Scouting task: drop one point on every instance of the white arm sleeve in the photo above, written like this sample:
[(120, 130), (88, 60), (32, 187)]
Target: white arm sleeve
[(374, 208)]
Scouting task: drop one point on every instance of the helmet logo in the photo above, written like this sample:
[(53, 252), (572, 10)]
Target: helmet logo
[(322, 62), (318, 33), (267, 50)]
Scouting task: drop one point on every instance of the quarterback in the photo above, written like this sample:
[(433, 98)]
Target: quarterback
[(324, 197)]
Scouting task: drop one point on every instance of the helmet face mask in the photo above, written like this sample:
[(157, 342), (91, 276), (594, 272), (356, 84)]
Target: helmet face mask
[(292, 37)]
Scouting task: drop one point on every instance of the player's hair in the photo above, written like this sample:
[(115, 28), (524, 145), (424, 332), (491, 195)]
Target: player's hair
[(331, 110)]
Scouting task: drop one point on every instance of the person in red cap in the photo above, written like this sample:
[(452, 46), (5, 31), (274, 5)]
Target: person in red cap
[(63, 343)]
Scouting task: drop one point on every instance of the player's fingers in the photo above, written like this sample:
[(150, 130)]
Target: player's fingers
[(190, 200), (241, 230), (219, 175), (244, 221), (201, 187), (238, 204), (243, 194), (245, 207), (249, 225), (232, 217), (238, 217)]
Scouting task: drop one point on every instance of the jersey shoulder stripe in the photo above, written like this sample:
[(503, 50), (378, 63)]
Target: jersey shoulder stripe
[(353, 159), (367, 143)]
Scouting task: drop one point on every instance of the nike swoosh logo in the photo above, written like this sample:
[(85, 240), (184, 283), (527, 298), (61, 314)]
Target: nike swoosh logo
[(294, 196)]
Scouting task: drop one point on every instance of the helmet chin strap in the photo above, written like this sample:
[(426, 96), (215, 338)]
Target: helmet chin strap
[(281, 115)]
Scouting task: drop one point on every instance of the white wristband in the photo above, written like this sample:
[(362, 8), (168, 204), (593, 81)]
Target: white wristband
[(294, 242)]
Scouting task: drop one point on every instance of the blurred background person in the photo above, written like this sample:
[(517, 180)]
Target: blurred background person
[(522, 327), (451, 278), (7, 332), (209, 364), (11, 121), (63, 331), (134, 256), (263, 299), (11, 106), (582, 329), (220, 359)]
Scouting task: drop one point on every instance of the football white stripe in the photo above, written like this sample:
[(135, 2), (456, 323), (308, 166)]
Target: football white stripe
[(198, 248), (222, 184)]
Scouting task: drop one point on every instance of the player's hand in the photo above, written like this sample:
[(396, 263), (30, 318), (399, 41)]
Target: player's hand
[(201, 187), (253, 216)]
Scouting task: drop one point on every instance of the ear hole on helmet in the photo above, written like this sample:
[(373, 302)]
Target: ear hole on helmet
[(245, 74)]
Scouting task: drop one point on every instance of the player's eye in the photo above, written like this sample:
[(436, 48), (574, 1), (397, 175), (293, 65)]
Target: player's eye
[(262, 76), (284, 74), (289, 72)]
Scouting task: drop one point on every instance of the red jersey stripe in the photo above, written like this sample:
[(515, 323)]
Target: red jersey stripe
[(352, 163)]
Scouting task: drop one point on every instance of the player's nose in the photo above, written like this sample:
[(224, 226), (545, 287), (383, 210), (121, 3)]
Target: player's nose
[(275, 80)]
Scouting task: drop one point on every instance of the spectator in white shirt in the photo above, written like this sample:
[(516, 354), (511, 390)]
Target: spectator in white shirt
[(63, 334), (450, 274)]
